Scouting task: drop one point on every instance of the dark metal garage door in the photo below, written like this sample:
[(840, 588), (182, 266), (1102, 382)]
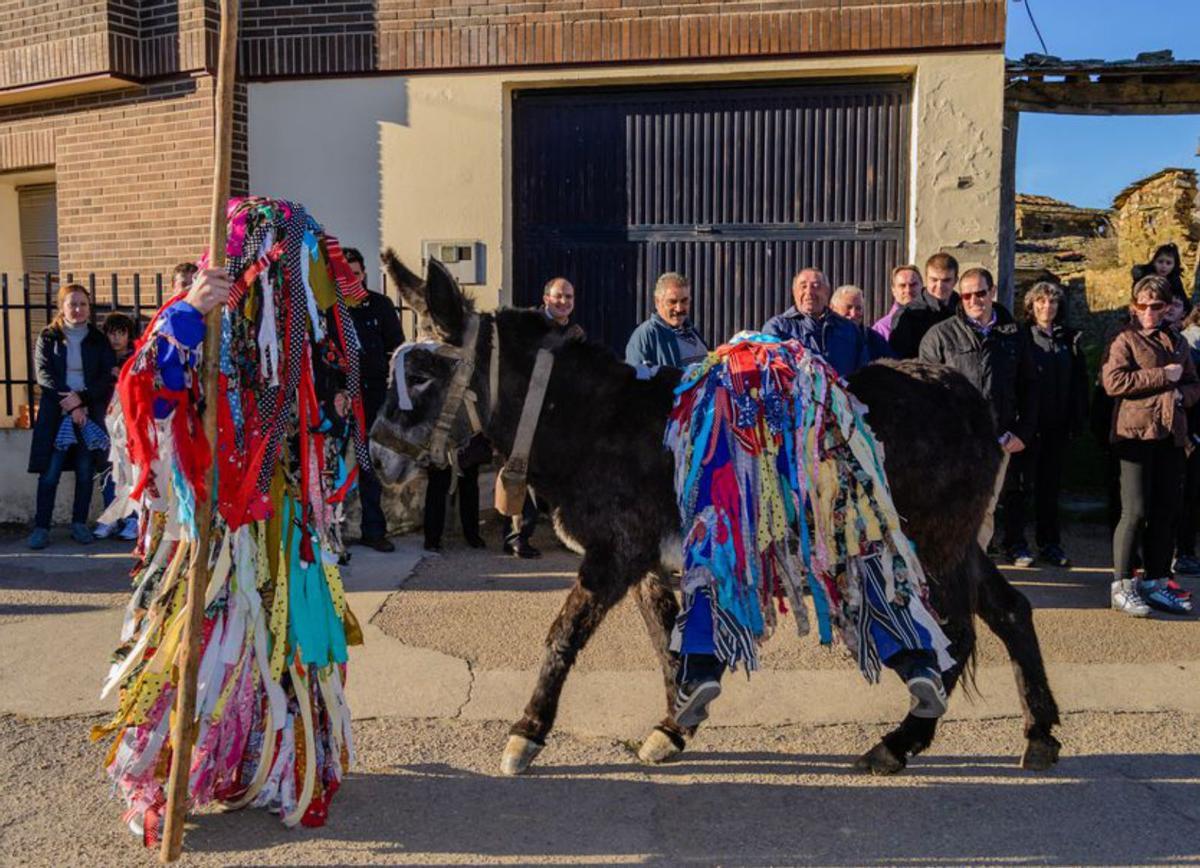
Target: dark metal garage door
[(737, 187)]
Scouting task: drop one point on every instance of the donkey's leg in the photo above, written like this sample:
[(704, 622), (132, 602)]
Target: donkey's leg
[(601, 584), (952, 595), (659, 609), (1008, 614), (914, 734)]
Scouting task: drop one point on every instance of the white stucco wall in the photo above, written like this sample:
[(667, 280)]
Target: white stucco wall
[(317, 142), (958, 113)]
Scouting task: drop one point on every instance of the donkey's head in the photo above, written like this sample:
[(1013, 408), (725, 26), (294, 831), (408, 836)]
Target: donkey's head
[(432, 406)]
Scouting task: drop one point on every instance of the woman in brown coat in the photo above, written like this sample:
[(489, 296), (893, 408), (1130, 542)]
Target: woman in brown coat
[(1150, 374)]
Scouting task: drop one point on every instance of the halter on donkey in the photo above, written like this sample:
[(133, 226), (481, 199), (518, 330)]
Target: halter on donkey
[(441, 447)]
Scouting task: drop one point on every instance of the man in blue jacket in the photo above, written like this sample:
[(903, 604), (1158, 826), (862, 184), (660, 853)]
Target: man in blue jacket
[(668, 337), (811, 322)]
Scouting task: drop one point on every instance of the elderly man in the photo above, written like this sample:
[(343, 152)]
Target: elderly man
[(936, 302), (558, 303), (668, 336), (811, 322), (983, 342), (847, 301), (906, 288)]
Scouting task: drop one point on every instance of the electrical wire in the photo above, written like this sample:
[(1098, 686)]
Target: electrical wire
[(1029, 12)]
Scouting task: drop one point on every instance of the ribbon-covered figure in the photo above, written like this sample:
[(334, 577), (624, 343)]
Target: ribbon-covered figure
[(782, 492), (274, 726)]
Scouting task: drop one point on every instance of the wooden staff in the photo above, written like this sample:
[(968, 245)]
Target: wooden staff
[(183, 727)]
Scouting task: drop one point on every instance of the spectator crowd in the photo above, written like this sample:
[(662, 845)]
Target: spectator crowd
[(1144, 407)]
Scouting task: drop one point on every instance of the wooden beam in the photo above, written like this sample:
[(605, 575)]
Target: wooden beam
[(1104, 97), (1007, 255), (184, 726)]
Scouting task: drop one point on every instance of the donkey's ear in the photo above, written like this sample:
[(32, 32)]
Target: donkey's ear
[(447, 305), (411, 287)]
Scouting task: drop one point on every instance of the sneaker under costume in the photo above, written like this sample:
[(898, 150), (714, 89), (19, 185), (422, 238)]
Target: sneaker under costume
[(274, 726), (780, 483)]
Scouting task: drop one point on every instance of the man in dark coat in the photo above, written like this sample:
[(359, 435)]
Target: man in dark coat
[(811, 322), (936, 301), (983, 342), (379, 333)]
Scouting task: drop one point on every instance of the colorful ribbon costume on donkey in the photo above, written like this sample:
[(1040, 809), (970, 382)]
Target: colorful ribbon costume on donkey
[(274, 727), (780, 482)]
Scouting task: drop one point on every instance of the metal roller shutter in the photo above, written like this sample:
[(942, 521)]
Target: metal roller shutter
[(737, 187), (38, 211)]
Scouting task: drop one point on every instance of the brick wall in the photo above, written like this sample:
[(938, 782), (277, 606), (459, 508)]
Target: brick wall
[(134, 174), (43, 40), (289, 37), (295, 37), (51, 40)]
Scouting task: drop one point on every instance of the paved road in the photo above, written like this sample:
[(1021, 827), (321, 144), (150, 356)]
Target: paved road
[(449, 663)]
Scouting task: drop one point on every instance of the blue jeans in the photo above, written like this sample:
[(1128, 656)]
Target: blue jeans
[(47, 487)]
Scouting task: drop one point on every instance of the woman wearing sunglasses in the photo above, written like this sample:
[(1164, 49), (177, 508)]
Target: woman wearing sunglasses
[(1150, 374)]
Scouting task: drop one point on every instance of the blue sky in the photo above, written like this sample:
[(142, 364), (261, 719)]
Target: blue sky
[(1087, 160)]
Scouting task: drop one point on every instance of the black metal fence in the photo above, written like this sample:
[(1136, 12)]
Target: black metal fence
[(27, 305)]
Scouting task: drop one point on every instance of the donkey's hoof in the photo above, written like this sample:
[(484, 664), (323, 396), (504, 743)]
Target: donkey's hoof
[(879, 760), (1040, 754), (518, 754), (660, 747)]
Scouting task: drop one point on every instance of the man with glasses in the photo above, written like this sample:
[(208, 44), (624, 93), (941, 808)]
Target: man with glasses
[(983, 343)]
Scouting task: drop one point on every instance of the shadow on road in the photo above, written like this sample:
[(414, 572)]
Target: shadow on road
[(946, 810)]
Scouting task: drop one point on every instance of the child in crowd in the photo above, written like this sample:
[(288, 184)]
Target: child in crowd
[(1166, 264), (120, 330)]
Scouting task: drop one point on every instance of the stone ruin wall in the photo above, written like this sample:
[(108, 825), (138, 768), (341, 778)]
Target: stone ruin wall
[(1096, 270), (1160, 210)]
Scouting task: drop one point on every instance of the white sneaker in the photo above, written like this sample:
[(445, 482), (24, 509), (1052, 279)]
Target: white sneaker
[(104, 530), (1126, 599), (129, 529)]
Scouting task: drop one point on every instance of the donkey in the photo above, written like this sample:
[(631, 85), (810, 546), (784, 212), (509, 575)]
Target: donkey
[(598, 459)]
